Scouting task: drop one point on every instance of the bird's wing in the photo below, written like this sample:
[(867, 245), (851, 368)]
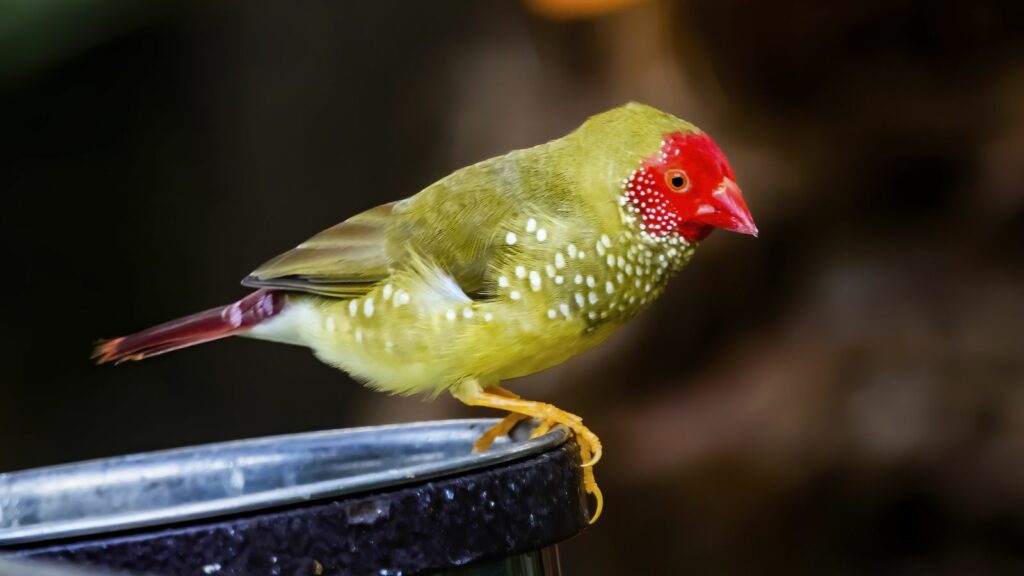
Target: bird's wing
[(457, 225), (343, 261)]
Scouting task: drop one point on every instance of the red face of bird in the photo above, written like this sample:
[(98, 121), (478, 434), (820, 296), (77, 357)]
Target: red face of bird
[(689, 188)]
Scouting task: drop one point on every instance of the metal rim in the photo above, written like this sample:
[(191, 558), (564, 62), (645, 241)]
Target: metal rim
[(418, 439)]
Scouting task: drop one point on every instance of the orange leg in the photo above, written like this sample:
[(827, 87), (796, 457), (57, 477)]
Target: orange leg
[(501, 428), (471, 394)]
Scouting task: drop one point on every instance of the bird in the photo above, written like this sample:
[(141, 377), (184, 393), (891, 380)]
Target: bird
[(499, 270)]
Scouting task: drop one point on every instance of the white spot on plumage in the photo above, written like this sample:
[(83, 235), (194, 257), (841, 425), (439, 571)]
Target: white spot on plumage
[(535, 281), (520, 272), (578, 279), (550, 270), (386, 291), (542, 235), (559, 280), (552, 314), (609, 287), (503, 281), (467, 312), (592, 297), (591, 282), (515, 295), (531, 225), (579, 299), (564, 309), (559, 260), (488, 316), (450, 314), (368, 307), (511, 238), (353, 307), (571, 250)]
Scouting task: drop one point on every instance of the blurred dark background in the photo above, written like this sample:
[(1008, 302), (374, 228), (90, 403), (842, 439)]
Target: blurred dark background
[(843, 395)]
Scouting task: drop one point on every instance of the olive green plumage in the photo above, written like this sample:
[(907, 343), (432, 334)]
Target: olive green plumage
[(499, 270)]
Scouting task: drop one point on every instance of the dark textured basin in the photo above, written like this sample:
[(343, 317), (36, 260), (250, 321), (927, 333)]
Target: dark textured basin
[(401, 498)]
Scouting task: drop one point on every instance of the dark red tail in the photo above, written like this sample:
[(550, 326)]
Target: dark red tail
[(211, 324)]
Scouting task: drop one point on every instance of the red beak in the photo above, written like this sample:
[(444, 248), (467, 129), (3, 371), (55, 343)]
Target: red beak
[(727, 210)]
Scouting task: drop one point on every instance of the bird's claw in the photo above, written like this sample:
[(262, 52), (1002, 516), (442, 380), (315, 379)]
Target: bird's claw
[(588, 442)]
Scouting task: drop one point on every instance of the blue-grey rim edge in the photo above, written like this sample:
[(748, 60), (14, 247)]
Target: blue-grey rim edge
[(418, 445)]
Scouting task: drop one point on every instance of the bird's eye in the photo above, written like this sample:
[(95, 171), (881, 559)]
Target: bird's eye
[(677, 180)]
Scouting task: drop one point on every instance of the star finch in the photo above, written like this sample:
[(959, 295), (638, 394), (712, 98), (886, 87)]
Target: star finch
[(499, 270)]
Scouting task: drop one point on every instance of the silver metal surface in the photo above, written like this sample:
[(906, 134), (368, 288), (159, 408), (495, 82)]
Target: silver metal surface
[(34, 568), (217, 479)]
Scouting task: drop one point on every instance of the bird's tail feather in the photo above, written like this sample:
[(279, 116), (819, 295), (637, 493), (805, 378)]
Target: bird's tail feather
[(205, 326)]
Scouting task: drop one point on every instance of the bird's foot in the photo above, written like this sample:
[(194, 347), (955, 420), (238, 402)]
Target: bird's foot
[(589, 481), (549, 415), (502, 428)]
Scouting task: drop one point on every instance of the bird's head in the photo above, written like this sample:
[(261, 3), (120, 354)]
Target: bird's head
[(687, 187)]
